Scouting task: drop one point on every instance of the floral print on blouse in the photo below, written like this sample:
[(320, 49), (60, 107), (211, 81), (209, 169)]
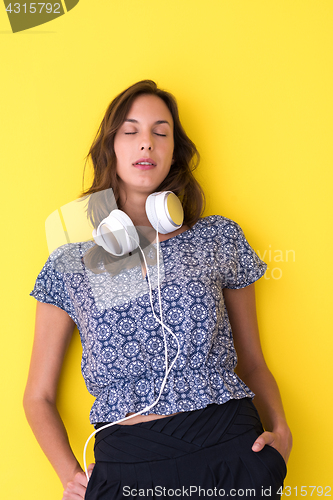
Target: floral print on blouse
[(123, 358)]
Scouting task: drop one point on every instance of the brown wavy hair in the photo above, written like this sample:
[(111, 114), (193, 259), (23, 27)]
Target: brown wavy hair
[(180, 178)]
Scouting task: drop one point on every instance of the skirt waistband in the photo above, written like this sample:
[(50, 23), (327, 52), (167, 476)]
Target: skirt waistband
[(176, 435)]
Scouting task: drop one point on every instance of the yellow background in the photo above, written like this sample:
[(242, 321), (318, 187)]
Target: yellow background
[(254, 85)]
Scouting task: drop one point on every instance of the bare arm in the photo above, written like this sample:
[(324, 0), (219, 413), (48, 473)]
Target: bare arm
[(252, 369), (53, 332)]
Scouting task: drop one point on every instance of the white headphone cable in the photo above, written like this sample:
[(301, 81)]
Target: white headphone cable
[(167, 369)]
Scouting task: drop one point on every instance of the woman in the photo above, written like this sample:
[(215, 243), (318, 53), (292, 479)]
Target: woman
[(204, 432)]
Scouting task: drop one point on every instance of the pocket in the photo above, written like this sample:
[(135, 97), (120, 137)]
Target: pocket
[(279, 457), (97, 483)]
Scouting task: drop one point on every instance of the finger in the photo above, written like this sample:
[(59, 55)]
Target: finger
[(90, 469), (75, 490), (262, 440), (81, 479), (72, 496)]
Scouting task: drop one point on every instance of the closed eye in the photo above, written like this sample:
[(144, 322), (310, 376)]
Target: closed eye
[(156, 133)]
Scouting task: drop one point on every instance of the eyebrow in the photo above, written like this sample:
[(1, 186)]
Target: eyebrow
[(158, 122)]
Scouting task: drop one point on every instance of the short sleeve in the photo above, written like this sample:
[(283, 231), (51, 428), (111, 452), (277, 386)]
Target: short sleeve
[(241, 265), (50, 288)]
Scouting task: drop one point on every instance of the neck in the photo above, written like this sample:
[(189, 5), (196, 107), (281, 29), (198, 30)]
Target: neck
[(134, 206)]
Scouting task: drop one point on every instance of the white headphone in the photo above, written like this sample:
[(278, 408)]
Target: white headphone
[(117, 233)]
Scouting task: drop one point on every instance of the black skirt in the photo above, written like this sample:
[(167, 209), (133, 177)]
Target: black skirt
[(195, 454)]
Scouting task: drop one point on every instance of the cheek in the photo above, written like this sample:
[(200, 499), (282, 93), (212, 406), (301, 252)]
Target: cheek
[(120, 150), (116, 144), (168, 151)]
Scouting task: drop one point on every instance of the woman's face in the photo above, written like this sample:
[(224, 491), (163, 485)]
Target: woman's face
[(144, 145)]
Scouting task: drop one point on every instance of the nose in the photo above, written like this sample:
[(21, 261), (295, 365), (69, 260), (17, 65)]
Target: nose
[(147, 142)]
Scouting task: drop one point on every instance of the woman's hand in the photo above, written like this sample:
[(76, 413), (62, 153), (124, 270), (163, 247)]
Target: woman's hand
[(280, 440), (76, 489)]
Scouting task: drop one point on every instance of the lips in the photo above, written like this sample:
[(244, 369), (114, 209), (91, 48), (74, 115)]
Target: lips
[(145, 164)]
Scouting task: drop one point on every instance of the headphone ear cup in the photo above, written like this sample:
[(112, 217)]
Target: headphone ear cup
[(98, 238), (132, 237), (164, 211), (117, 234), (151, 212)]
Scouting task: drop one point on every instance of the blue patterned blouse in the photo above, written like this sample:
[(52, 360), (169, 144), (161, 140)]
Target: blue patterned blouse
[(123, 359)]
